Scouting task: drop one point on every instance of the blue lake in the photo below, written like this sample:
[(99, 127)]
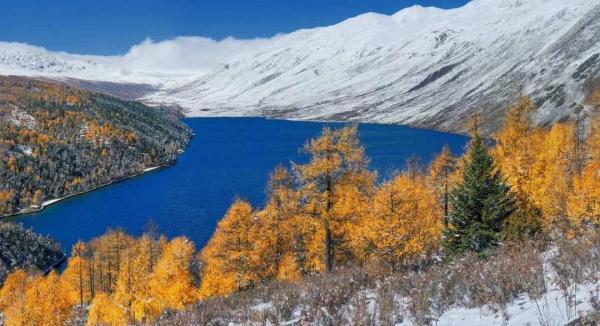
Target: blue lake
[(228, 158)]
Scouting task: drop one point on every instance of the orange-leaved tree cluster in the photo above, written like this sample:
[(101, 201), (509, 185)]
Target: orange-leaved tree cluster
[(583, 202), (554, 171), (331, 211), (123, 280), (325, 213)]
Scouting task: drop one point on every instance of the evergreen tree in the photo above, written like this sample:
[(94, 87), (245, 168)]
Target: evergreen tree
[(480, 205)]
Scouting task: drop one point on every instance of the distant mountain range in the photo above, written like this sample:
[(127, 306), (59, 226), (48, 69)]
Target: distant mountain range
[(424, 67)]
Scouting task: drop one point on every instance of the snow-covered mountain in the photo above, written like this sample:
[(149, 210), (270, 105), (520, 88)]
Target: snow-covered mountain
[(27, 60), (421, 66)]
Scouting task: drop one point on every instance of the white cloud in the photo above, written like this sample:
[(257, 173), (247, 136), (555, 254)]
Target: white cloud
[(186, 54), (147, 61)]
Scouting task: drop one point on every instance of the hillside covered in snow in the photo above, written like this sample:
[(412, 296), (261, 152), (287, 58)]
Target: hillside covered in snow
[(421, 66)]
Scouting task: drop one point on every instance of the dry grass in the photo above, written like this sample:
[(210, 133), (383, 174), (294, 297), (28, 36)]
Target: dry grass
[(359, 296)]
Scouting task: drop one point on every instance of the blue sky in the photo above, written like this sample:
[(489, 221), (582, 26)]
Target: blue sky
[(109, 27)]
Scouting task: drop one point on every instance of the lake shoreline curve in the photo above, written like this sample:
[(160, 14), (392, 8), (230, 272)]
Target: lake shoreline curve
[(50, 202)]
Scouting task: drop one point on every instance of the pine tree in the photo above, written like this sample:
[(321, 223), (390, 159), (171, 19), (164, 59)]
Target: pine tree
[(479, 206)]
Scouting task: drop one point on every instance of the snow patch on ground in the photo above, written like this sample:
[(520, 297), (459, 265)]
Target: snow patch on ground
[(21, 118), (25, 150), (550, 309), (51, 201), (151, 168)]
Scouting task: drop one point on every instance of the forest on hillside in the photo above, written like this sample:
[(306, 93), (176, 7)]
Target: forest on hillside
[(57, 140), (334, 246), (22, 248)]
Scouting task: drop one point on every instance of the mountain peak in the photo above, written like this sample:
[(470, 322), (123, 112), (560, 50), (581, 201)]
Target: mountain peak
[(417, 13)]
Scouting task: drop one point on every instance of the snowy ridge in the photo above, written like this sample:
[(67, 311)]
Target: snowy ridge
[(421, 66), (26, 60)]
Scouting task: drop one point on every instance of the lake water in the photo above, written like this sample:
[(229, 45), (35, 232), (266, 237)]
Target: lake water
[(229, 157)]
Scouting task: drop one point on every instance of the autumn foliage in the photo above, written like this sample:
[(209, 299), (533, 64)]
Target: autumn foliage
[(124, 280), (57, 141), (552, 170), (329, 212)]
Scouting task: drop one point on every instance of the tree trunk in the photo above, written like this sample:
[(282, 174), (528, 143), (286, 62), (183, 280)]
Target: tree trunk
[(328, 253), (109, 275), (102, 288), (446, 204), (91, 276), (328, 244), (80, 283)]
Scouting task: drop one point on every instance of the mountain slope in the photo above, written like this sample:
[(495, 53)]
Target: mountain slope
[(422, 66), (57, 141), (22, 248)]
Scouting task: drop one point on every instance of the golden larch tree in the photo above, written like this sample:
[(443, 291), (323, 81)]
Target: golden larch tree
[(403, 223), (583, 203), (75, 278), (12, 297), (515, 153), (105, 311), (335, 175), (553, 171), (228, 256), (275, 243), (440, 177), (517, 144), (44, 303), (132, 288), (171, 282)]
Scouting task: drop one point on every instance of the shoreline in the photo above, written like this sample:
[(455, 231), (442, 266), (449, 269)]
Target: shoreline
[(53, 201), (56, 264), (325, 121)]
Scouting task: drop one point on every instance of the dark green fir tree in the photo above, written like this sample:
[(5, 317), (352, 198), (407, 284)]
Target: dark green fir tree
[(479, 206)]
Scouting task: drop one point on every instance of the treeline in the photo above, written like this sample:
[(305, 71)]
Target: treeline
[(56, 141), (330, 213)]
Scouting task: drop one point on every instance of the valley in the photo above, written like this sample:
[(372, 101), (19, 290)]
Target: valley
[(300, 162), (421, 66)]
